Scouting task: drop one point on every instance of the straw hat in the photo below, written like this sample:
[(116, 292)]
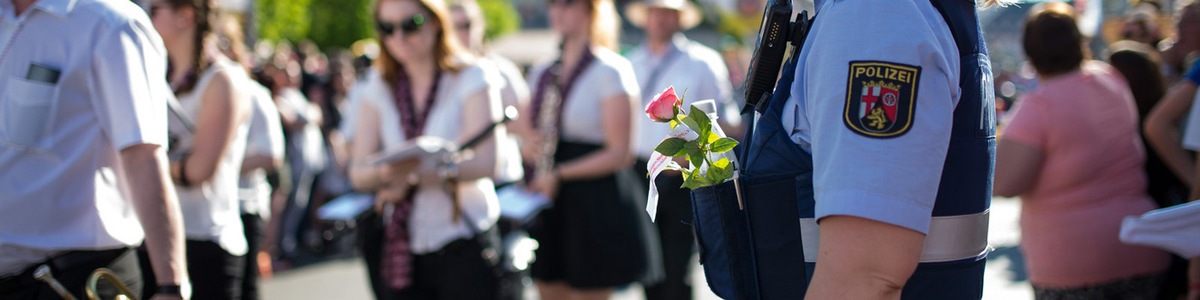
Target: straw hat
[(689, 15)]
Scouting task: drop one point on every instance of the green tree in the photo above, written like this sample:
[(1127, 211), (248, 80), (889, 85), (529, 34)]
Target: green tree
[(339, 23), (282, 19), (329, 23), (501, 17)]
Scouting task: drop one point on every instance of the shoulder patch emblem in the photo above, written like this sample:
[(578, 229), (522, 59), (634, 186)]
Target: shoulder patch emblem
[(881, 98)]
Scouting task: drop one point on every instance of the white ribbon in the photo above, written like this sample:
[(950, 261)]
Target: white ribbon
[(658, 163)]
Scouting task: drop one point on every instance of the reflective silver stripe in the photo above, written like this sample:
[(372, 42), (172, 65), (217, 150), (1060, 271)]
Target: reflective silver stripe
[(950, 238)]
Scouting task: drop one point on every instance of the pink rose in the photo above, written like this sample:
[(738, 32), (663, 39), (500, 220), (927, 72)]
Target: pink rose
[(663, 107)]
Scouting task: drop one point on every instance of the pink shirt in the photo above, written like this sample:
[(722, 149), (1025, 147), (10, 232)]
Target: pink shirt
[(1091, 177)]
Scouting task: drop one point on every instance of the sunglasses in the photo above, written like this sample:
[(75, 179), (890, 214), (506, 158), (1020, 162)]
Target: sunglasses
[(408, 26), (560, 2)]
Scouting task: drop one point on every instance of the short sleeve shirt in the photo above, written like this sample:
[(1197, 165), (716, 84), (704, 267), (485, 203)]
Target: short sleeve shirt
[(60, 140), (873, 101), (609, 75)]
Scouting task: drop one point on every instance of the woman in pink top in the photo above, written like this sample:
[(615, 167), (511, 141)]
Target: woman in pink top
[(1072, 153)]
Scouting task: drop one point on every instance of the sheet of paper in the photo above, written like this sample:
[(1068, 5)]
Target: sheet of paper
[(421, 147), (520, 204), (658, 163)]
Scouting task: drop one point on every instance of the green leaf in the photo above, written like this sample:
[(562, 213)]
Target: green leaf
[(701, 119), (694, 154), (674, 124), (724, 144), (721, 163), (722, 173), (671, 147), (691, 123), (712, 138)]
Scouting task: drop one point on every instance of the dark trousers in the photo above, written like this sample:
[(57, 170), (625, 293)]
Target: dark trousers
[(254, 227), (371, 233), (215, 274), (675, 233), (456, 272), (72, 270)]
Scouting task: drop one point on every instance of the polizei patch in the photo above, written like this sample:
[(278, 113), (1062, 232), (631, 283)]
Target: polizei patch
[(880, 98)]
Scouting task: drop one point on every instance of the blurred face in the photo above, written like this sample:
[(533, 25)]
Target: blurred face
[(462, 27), (172, 23), (408, 31), (661, 23), (569, 17)]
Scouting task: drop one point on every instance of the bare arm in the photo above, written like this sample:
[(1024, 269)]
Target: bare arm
[(364, 176), (863, 259), (1017, 167), (221, 109), (1162, 130), (157, 208), (477, 114), (617, 122), (262, 161)]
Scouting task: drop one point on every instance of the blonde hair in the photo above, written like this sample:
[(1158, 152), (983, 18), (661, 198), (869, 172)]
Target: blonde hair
[(605, 29), (446, 53)]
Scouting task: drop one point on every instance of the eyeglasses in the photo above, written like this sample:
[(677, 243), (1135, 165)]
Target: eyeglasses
[(408, 26), (560, 2)]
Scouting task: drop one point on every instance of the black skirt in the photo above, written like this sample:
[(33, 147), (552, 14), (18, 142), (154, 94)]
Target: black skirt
[(597, 234)]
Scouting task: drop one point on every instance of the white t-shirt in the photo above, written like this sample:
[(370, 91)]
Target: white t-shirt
[(264, 138), (431, 224), (61, 182), (873, 101), (688, 66), (211, 210), (608, 75)]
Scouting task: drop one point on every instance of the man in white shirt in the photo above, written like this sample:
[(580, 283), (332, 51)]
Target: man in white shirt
[(83, 148), (668, 58)]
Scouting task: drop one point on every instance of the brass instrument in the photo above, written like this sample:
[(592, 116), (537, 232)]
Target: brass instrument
[(112, 278), (43, 274)]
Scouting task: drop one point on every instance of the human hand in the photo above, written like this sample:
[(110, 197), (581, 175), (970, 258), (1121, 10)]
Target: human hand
[(397, 171), (546, 184), (391, 194)]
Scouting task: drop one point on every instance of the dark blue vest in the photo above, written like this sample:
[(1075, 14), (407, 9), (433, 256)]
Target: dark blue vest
[(753, 249)]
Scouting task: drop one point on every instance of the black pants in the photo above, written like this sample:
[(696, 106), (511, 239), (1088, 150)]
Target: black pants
[(215, 274), (253, 226), (456, 272), (371, 233), (674, 229), (72, 270)]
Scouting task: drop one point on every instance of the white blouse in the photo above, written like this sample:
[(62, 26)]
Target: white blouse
[(211, 211), (431, 225), (607, 76)]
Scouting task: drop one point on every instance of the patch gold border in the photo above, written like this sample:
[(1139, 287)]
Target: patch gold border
[(912, 97)]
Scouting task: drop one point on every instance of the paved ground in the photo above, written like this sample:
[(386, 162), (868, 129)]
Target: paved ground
[(346, 279)]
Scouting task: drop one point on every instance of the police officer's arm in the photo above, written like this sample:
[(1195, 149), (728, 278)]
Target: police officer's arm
[(880, 104), (1162, 130), (863, 259)]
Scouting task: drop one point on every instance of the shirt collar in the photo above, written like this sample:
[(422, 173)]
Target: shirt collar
[(57, 8)]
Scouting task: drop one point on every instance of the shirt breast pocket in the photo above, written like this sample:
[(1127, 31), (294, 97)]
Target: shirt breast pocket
[(27, 109)]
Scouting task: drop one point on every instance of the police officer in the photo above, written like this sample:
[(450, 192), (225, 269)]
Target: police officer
[(82, 149), (885, 120), (666, 58)]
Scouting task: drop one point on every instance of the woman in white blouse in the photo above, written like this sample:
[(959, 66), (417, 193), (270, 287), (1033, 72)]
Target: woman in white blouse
[(212, 91), (577, 132), (442, 212)]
